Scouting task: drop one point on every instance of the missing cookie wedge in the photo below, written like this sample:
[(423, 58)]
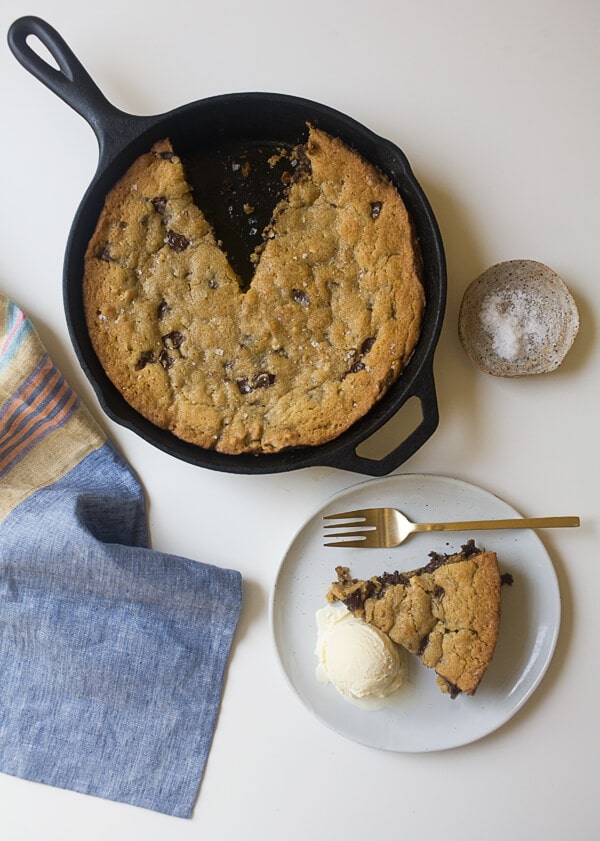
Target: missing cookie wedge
[(328, 322), (447, 612)]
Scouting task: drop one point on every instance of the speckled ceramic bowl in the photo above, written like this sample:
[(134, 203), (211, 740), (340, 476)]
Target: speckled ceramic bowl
[(517, 318)]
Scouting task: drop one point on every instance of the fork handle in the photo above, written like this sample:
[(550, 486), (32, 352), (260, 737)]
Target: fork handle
[(515, 523)]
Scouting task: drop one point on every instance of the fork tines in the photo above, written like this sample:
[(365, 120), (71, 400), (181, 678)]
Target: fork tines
[(349, 519)]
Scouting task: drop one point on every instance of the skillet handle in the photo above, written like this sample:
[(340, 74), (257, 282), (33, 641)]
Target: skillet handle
[(71, 82), (349, 459)]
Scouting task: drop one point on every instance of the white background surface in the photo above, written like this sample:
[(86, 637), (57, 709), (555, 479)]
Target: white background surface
[(496, 106)]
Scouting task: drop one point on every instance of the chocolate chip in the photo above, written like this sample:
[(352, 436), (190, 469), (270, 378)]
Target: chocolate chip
[(354, 601), (165, 360), (453, 690), (366, 346), (173, 340), (213, 283), (301, 297), (166, 156), (160, 204), (376, 209), (162, 309), (423, 643), (354, 368), (263, 380), (358, 365), (507, 579), (177, 241), (392, 578), (105, 255), (145, 359), (470, 548), (244, 386)]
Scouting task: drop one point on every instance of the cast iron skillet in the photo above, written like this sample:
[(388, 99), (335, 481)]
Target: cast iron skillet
[(212, 136)]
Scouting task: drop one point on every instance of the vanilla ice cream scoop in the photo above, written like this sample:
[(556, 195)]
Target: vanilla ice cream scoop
[(361, 662)]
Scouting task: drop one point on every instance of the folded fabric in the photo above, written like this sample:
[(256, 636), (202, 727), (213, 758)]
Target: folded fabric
[(112, 655)]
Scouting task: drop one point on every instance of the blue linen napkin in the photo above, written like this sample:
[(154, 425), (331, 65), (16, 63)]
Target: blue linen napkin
[(112, 655)]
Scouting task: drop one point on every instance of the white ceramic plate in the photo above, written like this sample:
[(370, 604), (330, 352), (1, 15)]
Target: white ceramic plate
[(421, 717)]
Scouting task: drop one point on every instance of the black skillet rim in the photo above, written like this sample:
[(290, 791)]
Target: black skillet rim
[(339, 452)]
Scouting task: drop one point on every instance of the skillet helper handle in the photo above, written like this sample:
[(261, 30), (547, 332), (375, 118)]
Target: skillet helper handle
[(424, 391), (71, 81)]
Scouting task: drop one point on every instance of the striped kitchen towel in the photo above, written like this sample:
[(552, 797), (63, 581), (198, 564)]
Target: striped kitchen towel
[(112, 655)]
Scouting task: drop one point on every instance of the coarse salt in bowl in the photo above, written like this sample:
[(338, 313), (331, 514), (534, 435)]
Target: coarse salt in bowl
[(517, 318)]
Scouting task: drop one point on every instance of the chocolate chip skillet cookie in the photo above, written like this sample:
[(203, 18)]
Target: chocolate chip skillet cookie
[(447, 612), (330, 319)]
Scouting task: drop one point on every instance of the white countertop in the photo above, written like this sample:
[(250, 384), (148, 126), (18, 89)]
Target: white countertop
[(496, 106)]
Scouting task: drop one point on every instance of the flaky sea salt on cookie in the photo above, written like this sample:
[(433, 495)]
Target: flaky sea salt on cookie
[(517, 318)]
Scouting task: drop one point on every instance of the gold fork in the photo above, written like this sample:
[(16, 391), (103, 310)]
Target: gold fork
[(385, 527)]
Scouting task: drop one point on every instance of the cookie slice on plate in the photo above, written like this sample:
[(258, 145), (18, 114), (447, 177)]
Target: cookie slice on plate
[(447, 612)]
